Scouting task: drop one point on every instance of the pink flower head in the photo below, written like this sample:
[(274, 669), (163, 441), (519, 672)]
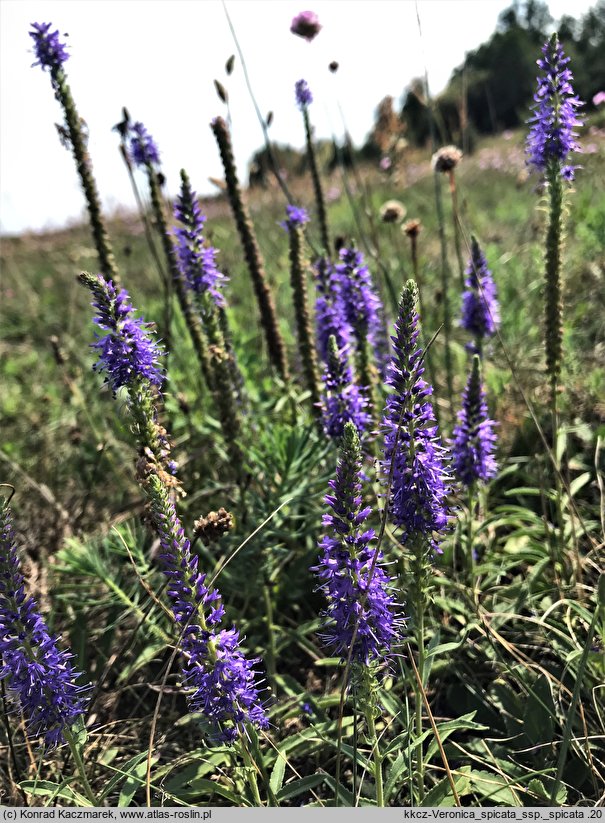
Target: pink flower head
[(306, 24), (599, 98)]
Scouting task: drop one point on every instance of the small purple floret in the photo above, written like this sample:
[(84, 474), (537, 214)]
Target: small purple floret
[(480, 309), (39, 676), (303, 93), (552, 137), (295, 216), (50, 51), (474, 438), (143, 150)]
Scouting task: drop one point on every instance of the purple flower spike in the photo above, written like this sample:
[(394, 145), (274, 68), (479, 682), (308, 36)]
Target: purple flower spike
[(552, 137), (414, 458), (329, 309), (143, 150), (342, 401), (295, 216), (38, 676), (351, 571), (480, 309), (197, 261), (127, 352), (361, 303), (50, 52), (221, 678), (306, 24), (474, 438), (303, 93)]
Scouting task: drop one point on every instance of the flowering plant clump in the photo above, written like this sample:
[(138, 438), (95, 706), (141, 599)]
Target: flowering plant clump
[(552, 137), (222, 680), (361, 618), (38, 675), (474, 438), (126, 352), (50, 52), (303, 93), (142, 148), (342, 400), (306, 25), (197, 261), (480, 309), (414, 460)]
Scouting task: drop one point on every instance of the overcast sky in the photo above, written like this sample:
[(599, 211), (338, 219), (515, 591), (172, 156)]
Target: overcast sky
[(160, 57)]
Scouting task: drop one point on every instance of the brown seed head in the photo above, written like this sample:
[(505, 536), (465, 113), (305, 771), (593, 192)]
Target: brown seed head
[(213, 526), (392, 211), (412, 228), (446, 159)]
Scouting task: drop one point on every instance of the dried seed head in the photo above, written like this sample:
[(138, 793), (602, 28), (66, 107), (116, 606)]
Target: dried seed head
[(210, 528), (412, 228), (392, 211), (446, 159)]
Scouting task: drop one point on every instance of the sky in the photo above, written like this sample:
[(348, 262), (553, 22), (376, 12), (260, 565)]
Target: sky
[(159, 58)]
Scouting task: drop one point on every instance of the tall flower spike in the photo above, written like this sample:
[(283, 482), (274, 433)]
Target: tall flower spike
[(252, 253), (330, 316), (222, 680), (126, 352), (50, 51), (414, 458), (295, 220), (303, 93), (197, 261), (51, 55), (351, 570), (143, 150), (342, 401), (552, 137), (480, 309), (38, 675), (474, 438)]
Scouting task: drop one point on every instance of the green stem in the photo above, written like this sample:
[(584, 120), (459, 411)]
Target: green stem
[(271, 652), (317, 189), (377, 759), (567, 731), (447, 318), (75, 751), (418, 698), (251, 772), (469, 538), (456, 217)]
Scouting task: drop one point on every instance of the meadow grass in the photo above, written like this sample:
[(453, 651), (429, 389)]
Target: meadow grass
[(510, 694)]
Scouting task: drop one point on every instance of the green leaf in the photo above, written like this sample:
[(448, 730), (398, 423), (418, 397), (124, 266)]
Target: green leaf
[(46, 788), (442, 794), (277, 773), (493, 787), (135, 779), (297, 787), (122, 773), (393, 782), (538, 715)]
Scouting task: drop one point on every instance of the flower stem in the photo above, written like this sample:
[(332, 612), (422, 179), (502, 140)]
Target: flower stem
[(377, 758), (75, 751)]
